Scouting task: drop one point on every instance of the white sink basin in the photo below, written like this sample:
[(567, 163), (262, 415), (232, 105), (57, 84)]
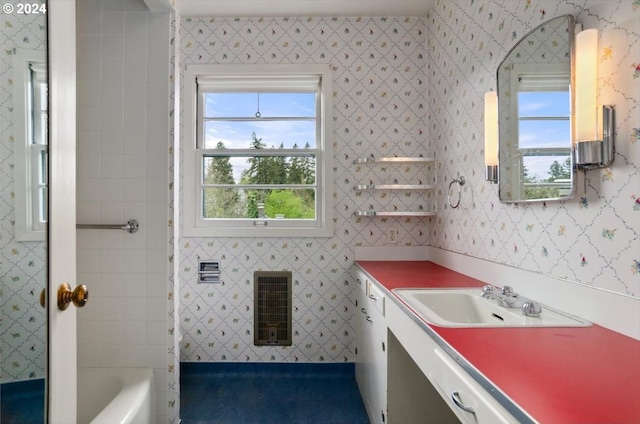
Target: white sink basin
[(465, 308)]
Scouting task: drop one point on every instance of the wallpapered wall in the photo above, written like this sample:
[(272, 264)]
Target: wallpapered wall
[(379, 109), (591, 239), (216, 320), (23, 268), (414, 86)]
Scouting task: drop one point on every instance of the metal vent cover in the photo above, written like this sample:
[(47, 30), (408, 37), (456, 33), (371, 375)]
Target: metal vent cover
[(272, 308)]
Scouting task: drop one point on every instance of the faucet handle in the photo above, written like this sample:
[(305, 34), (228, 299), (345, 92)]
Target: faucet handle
[(531, 309), (507, 291), (487, 288)]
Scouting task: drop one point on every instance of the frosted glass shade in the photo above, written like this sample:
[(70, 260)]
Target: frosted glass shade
[(491, 128), (586, 113)]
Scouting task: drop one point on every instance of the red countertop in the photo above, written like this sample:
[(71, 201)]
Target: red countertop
[(557, 375)]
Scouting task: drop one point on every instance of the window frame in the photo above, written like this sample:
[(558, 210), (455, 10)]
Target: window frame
[(544, 77), (193, 223), (30, 177)]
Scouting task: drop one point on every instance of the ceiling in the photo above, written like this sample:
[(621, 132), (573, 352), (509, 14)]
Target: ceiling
[(260, 8)]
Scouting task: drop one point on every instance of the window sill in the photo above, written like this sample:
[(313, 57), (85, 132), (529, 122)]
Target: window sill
[(257, 232)]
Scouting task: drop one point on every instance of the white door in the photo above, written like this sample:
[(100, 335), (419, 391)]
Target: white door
[(62, 364)]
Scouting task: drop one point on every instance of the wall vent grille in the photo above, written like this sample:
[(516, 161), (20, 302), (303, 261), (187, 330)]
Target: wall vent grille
[(272, 308), (208, 271)]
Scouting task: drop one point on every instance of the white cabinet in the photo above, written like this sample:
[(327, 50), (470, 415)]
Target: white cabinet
[(405, 376), (371, 349), (458, 390)]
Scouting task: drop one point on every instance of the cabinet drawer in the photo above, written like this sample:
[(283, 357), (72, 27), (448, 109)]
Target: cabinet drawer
[(468, 400), (376, 297)]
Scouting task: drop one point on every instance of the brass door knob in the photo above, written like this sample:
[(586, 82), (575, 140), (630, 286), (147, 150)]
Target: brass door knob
[(79, 296)]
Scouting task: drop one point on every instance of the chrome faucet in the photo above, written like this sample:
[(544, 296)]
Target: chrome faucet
[(507, 298)]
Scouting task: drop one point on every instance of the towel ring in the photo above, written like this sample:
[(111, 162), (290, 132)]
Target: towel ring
[(460, 182)]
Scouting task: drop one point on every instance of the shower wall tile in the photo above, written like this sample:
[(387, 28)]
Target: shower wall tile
[(89, 48), (111, 142), (89, 118), (136, 141), (136, 25), (113, 71), (112, 47), (91, 24), (89, 94), (135, 334), (135, 284), (89, 355), (110, 355), (134, 355), (135, 6), (158, 128), (112, 23), (121, 135), (136, 191)]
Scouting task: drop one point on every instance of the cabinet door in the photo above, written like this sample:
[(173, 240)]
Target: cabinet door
[(360, 349), (377, 349), (379, 367), (371, 344)]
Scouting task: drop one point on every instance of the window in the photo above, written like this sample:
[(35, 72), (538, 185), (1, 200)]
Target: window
[(30, 137), (257, 153), (543, 107)]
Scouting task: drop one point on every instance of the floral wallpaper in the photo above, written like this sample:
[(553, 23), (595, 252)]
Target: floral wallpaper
[(379, 98), (591, 239), (411, 86), (23, 270)]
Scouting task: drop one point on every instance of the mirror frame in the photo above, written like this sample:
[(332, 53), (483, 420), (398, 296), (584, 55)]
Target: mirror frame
[(571, 24)]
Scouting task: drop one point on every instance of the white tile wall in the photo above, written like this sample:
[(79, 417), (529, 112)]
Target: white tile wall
[(123, 109)]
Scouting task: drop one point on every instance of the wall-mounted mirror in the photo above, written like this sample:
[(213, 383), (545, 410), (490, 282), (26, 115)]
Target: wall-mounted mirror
[(23, 211), (535, 103)]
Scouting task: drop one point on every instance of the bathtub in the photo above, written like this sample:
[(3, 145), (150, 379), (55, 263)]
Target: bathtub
[(116, 396)]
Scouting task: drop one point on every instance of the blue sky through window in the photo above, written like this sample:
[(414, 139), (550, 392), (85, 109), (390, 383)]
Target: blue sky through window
[(237, 134), (543, 133), (544, 103)]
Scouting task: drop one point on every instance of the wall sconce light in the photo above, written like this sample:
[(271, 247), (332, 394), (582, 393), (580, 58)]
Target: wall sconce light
[(491, 136), (592, 150)]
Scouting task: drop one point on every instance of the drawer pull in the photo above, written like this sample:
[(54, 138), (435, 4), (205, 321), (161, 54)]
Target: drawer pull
[(374, 298), (364, 311), (455, 397), (369, 318)]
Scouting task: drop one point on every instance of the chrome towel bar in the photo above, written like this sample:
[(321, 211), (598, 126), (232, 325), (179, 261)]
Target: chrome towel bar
[(131, 226)]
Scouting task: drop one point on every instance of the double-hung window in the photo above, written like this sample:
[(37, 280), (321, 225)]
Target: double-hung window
[(30, 137), (257, 151), (542, 104)]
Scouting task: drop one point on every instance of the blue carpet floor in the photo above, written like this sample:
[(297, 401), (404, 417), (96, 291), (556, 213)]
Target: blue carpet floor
[(22, 402), (247, 393)]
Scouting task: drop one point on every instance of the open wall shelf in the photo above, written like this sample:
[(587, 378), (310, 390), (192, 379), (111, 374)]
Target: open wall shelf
[(395, 186)]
